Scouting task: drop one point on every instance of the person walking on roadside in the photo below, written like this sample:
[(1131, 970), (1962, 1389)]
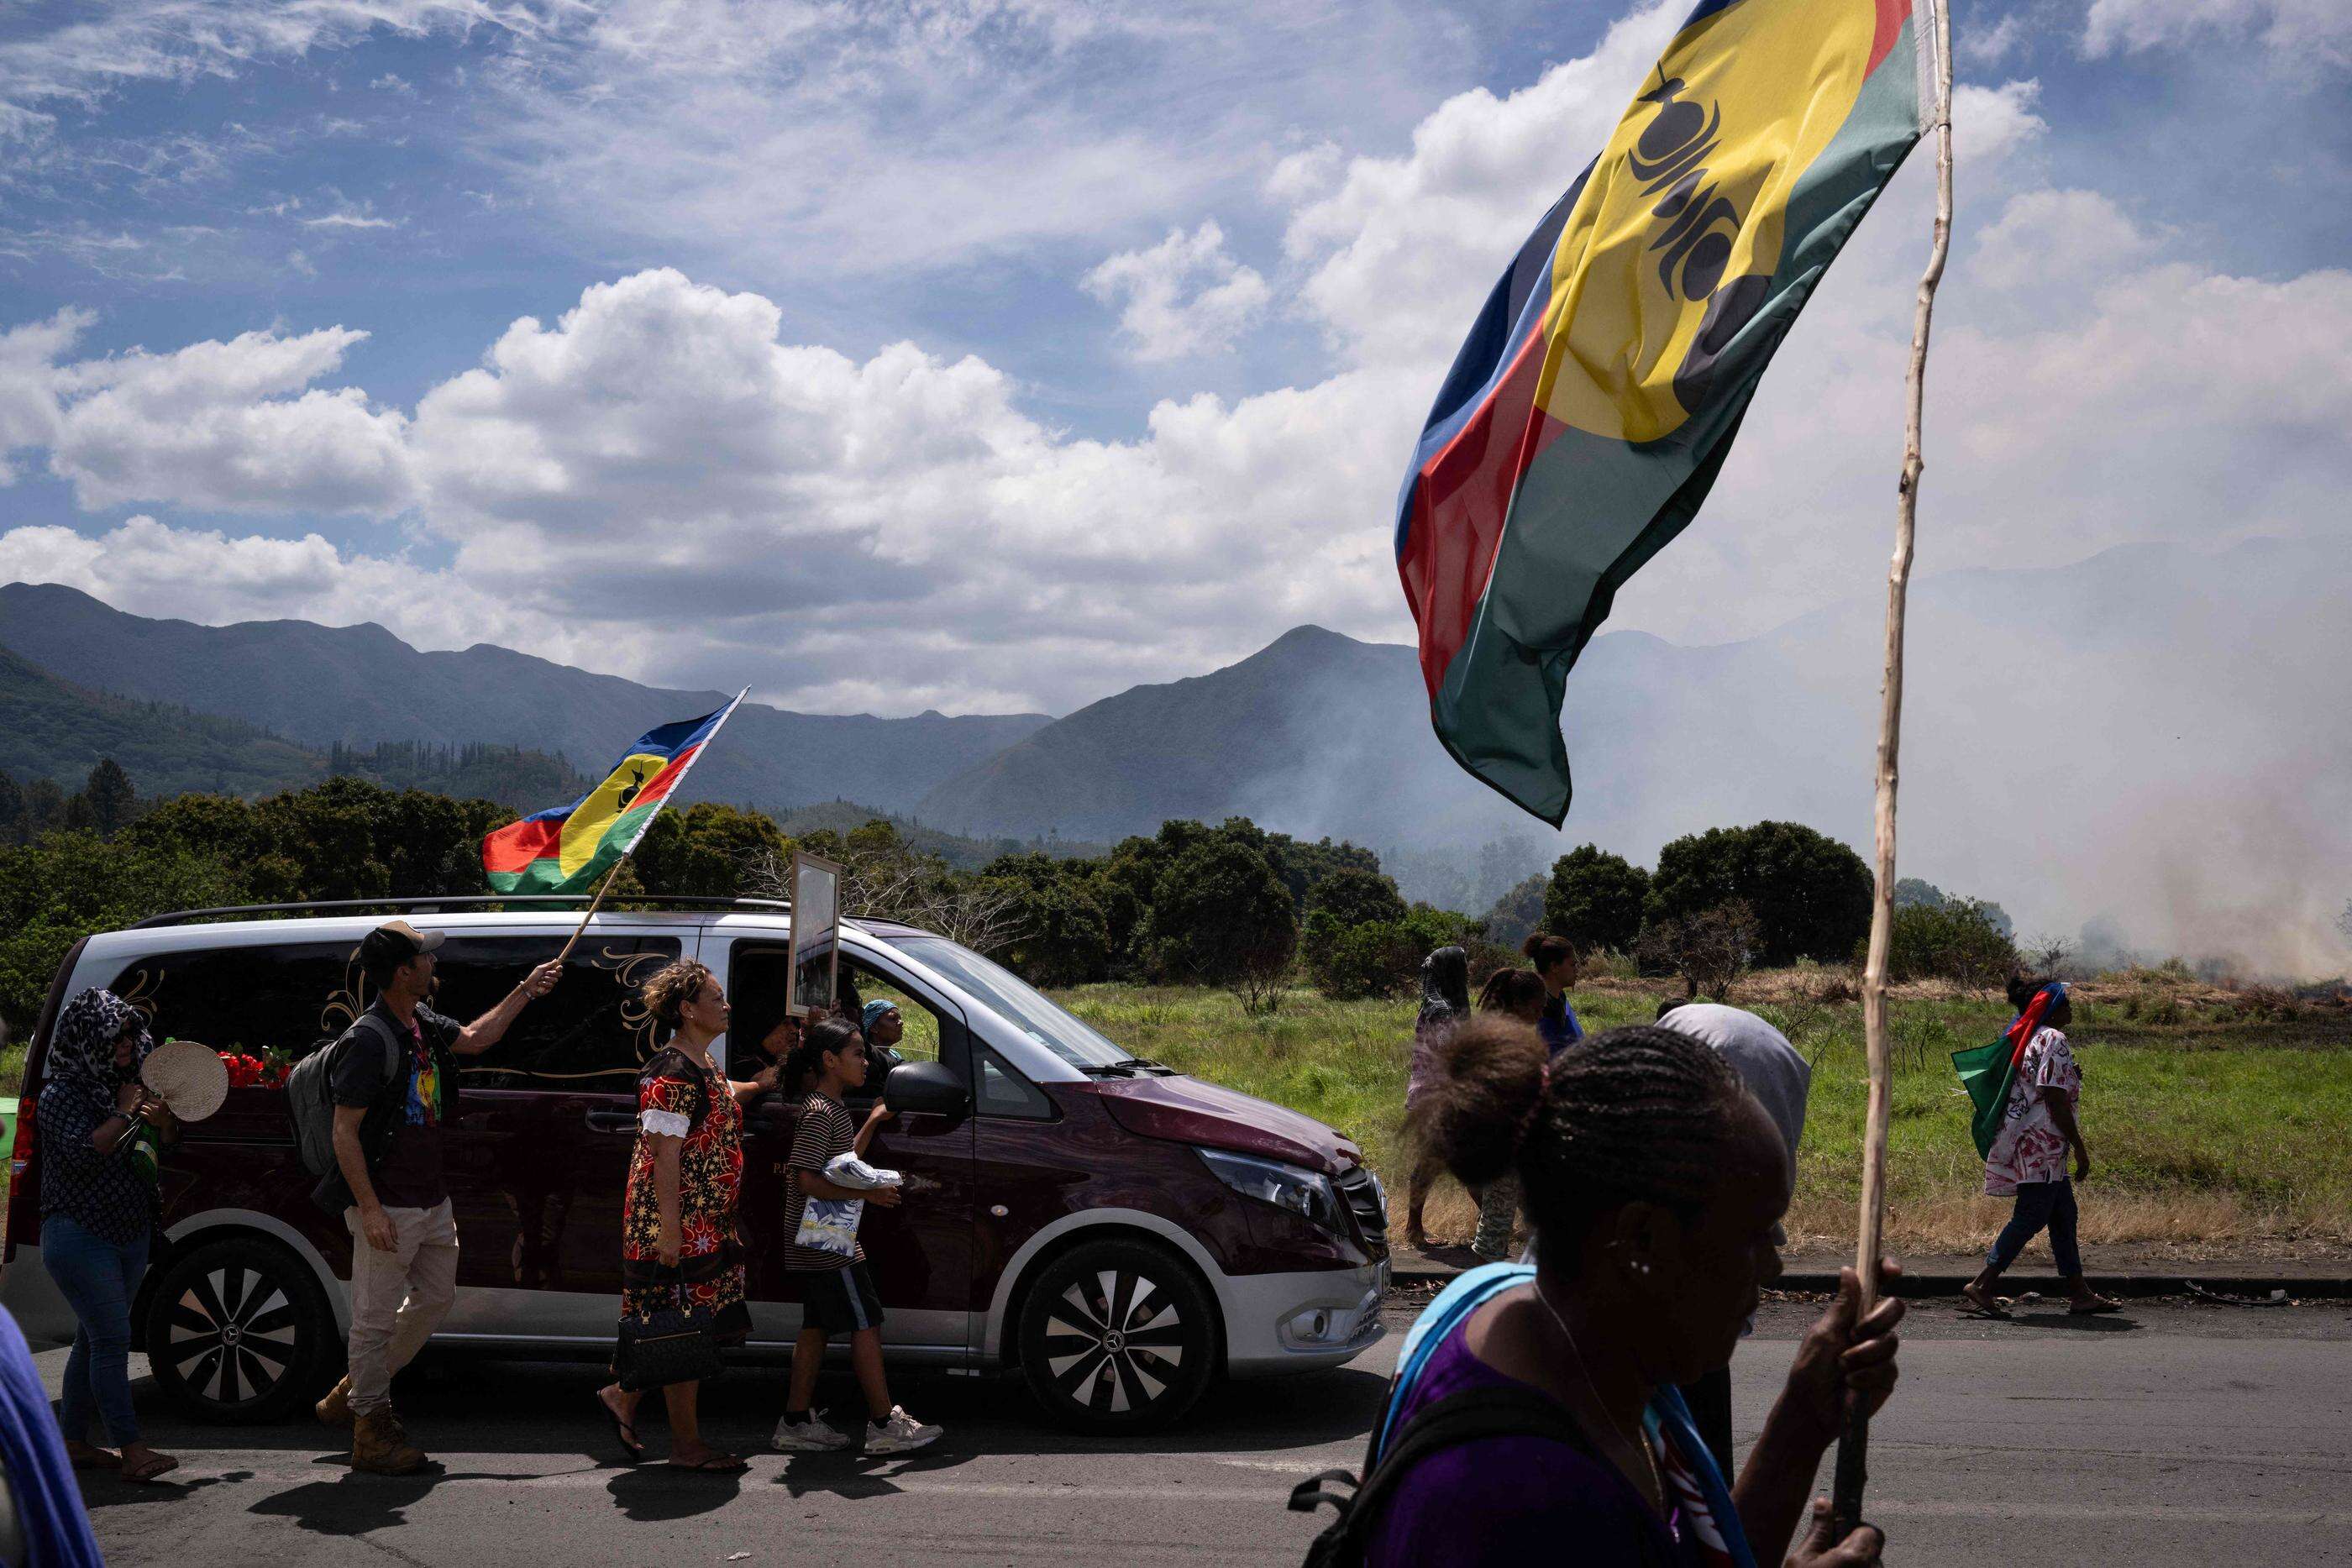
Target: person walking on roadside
[(1655, 1181), (837, 1294), (100, 1132), (1554, 958), (1771, 1069), (1519, 994), (1445, 1002), (679, 1243), (2028, 1157), (393, 1080)]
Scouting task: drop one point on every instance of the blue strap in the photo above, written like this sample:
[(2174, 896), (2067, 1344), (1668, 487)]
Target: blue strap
[(1668, 1411), (1471, 1290)]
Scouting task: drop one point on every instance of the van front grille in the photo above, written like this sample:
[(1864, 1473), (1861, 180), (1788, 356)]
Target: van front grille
[(1361, 1189)]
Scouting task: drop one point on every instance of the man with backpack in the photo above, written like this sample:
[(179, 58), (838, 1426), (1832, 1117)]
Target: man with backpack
[(391, 1083)]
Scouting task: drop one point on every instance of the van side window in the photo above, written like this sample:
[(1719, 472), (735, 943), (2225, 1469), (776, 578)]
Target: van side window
[(755, 991), (1004, 1093), (246, 1000), (590, 1035)]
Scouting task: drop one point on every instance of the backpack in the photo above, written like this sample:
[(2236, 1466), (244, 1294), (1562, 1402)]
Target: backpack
[(309, 1100), (1463, 1418)]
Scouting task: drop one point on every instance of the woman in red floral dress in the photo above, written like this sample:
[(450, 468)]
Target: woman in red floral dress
[(677, 1224)]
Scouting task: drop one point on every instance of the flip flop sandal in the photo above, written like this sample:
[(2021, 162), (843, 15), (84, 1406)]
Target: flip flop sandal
[(715, 1464), (153, 1469), (2094, 1311), (624, 1433), (1976, 1309)]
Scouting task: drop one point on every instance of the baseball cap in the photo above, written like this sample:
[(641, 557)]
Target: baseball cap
[(393, 943)]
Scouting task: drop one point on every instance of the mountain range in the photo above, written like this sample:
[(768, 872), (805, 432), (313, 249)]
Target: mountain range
[(355, 686), (2156, 729)]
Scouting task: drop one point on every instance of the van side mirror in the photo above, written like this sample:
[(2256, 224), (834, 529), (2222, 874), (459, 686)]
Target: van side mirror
[(929, 1087)]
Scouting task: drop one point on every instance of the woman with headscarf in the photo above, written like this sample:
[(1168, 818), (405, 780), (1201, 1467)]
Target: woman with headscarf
[(2027, 1155), (1445, 1002), (100, 1130)]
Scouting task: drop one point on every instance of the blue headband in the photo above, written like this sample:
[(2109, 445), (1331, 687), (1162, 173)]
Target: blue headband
[(875, 1009)]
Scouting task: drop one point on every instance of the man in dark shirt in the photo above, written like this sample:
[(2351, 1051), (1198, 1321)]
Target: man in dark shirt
[(394, 1081)]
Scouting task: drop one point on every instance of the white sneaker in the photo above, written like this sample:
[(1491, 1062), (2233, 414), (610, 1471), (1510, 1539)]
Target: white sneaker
[(900, 1434), (810, 1436)]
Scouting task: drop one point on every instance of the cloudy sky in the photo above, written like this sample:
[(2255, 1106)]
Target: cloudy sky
[(997, 354)]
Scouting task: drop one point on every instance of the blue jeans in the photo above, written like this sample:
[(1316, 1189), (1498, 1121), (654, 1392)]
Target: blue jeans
[(2040, 1203), (97, 1278)]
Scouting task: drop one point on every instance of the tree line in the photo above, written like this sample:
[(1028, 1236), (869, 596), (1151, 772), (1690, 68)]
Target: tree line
[(1230, 905)]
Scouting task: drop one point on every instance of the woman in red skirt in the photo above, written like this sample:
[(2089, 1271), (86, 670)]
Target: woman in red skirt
[(678, 1240)]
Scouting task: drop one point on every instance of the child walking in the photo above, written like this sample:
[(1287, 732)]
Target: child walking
[(837, 1293)]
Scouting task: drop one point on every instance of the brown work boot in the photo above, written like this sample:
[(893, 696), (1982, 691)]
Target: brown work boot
[(335, 1409), (380, 1447)]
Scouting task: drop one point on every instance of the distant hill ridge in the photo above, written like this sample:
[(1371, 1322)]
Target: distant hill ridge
[(359, 685)]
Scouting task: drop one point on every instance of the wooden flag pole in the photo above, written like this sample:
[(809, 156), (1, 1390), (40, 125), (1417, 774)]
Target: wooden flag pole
[(607, 886), (1854, 1448)]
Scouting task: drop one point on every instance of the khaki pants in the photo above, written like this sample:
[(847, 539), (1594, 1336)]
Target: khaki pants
[(398, 1298)]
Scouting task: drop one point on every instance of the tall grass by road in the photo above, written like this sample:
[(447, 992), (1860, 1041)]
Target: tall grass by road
[(2210, 1134)]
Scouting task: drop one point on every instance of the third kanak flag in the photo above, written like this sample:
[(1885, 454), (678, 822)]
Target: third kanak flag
[(1600, 389)]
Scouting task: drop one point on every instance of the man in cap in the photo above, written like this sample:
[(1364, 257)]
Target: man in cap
[(394, 1081)]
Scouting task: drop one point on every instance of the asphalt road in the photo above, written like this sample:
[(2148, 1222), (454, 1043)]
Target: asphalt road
[(2181, 1435)]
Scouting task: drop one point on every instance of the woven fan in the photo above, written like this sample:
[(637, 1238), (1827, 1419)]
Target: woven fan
[(189, 1076)]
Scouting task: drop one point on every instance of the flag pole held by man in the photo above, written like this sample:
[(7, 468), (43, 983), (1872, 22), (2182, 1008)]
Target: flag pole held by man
[(1600, 389)]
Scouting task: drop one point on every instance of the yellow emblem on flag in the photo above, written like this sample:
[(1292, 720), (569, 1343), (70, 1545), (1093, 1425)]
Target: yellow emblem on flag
[(1672, 246), (584, 830)]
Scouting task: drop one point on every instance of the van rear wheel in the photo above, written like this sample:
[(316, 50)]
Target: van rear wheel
[(238, 1331), (1118, 1337)]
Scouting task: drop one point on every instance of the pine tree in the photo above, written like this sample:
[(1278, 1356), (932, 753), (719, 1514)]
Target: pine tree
[(113, 801)]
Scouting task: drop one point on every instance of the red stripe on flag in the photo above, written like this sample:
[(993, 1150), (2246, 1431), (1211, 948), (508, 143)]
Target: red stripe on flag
[(1892, 15), (1460, 506), (660, 784), (513, 848)]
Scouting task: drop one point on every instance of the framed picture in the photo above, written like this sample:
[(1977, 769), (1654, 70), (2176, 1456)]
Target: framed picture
[(813, 980)]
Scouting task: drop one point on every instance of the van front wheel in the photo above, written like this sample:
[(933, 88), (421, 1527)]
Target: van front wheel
[(1118, 1337), (237, 1331)]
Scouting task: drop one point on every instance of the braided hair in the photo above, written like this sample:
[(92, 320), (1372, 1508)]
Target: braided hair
[(1637, 1115)]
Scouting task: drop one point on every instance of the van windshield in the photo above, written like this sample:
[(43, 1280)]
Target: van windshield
[(1015, 1001)]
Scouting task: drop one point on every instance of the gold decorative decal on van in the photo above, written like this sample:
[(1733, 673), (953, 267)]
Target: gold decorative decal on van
[(144, 987), (631, 970)]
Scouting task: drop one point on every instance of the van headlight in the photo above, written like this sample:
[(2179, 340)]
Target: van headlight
[(1305, 1193)]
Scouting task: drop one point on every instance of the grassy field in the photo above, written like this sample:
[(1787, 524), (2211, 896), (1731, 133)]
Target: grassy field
[(2213, 1132)]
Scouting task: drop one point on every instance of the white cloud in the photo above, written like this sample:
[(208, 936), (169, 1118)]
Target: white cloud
[(214, 425), (1991, 45), (2058, 238), (1403, 251), (2301, 33), (349, 220), (1183, 296), (29, 415)]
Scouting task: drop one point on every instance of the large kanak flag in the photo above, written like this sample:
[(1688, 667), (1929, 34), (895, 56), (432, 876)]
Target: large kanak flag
[(1600, 389), (567, 848)]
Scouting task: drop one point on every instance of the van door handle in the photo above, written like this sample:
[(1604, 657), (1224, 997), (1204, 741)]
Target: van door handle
[(612, 1121)]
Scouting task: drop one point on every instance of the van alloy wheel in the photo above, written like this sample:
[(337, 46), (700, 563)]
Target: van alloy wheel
[(238, 1330), (1118, 1337)]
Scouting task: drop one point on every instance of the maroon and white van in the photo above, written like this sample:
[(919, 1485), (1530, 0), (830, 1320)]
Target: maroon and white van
[(1119, 1232)]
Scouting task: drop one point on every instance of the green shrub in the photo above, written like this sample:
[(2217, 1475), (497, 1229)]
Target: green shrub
[(1957, 940), (1594, 899)]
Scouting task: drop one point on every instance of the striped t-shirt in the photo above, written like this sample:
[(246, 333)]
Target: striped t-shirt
[(824, 1131)]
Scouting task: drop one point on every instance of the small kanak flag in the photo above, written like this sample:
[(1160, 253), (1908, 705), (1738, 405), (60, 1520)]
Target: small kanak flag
[(1599, 390), (567, 848)]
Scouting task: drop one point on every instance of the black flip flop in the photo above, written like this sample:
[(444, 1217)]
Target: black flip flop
[(715, 1464), (624, 1433)]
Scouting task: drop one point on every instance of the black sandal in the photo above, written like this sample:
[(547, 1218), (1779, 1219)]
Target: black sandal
[(624, 1432), (714, 1463)]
